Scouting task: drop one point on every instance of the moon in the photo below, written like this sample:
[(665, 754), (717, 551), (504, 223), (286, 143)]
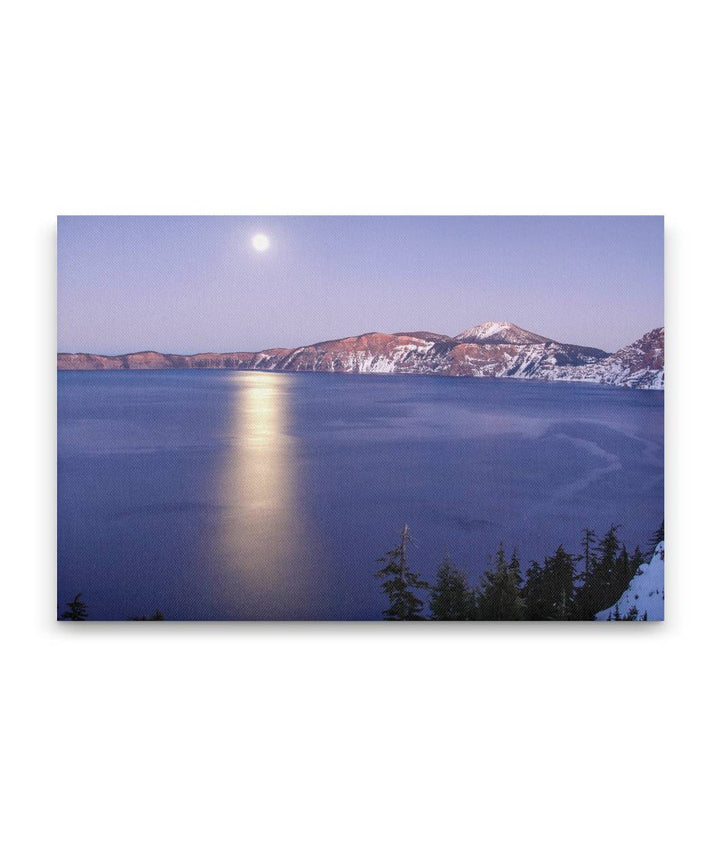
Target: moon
[(260, 242)]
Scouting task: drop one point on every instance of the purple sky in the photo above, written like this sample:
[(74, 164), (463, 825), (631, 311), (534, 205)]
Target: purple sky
[(189, 284)]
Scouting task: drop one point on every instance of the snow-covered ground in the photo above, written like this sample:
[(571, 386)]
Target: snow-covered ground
[(646, 591)]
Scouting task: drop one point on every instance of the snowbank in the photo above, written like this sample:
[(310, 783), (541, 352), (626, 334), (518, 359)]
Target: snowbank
[(646, 591)]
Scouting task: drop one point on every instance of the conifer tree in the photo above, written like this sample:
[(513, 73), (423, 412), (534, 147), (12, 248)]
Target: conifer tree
[(535, 594), (514, 569), (561, 567), (499, 598), (76, 610), (623, 573), (657, 536), (599, 584), (549, 591), (399, 584), (589, 538), (606, 561), (451, 598), (636, 560), (584, 599)]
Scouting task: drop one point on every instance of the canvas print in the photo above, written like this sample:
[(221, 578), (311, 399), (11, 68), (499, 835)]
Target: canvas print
[(360, 418)]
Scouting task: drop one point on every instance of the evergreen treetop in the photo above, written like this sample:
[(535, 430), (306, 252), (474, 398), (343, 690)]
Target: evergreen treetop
[(451, 598), (399, 584), (499, 598), (76, 610)]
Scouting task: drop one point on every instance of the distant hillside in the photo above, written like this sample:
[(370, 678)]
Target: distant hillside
[(490, 349)]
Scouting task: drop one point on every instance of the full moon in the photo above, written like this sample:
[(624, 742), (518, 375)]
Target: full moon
[(260, 242)]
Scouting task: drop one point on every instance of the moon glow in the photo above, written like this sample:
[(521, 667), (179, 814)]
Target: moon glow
[(260, 242)]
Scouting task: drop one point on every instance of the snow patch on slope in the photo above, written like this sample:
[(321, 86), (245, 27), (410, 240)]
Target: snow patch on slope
[(646, 591), (500, 332), (640, 365)]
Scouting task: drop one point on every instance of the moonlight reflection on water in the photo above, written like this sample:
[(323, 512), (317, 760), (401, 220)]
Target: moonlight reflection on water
[(264, 536)]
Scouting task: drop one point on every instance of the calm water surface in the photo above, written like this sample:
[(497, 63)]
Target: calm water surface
[(248, 495)]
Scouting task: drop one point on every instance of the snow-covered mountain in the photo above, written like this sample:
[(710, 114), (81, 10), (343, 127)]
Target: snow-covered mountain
[(491, 349), (641, 364), (500, 333), (645, 596)]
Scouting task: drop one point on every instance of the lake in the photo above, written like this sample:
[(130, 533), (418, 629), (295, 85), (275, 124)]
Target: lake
[(256, 495)]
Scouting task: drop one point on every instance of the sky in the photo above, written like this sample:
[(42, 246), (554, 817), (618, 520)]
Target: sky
[(190, 284)]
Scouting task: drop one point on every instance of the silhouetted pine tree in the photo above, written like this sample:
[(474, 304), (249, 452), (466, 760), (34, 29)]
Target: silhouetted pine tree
[(76, 610), (657, 536), (599, 583), (451, 598), (636, 560), (399, 584), (514, 568), (589, 539), (549, 591), (584, 599), (623, 573), (499, 598), (631, 615), (535, 593), (562, 576)]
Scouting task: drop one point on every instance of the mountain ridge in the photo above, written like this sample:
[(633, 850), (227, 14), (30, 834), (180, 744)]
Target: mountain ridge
[(489, 349), (501, 333)]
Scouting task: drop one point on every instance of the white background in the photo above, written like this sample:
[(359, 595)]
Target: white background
[(358, 739)]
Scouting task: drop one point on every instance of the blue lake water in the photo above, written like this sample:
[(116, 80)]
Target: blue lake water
[(253, 495)]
